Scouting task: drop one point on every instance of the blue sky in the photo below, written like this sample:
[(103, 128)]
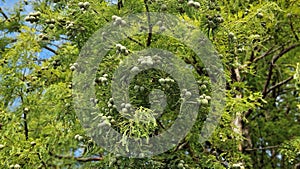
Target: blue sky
[(7, 6), (8, 3)]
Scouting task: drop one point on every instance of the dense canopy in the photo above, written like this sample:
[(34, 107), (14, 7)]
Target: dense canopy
[(256, 41)]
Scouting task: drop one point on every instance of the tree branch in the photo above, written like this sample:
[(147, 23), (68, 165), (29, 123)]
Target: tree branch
[(270, 71), (279, 84), (80, 159), (274, 59), (40, 158), (268, 52), (26, 131), (262, 148), (284, 51), (25, 125), (149, 24), (293, 30), (52, 44), (120, 4), (238, 125), (51, 50), (133, 40), (4, 15)]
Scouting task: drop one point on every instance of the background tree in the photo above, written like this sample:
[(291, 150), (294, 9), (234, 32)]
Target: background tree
[(258, 42)]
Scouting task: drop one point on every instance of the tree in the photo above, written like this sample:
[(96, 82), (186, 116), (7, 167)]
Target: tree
[(258, 43)]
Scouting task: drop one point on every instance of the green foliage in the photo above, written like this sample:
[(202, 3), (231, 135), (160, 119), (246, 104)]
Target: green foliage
[(258, 42)]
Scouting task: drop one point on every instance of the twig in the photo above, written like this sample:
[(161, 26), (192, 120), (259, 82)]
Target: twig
[(262, 148), (40, 158), (55, 45), (80, 159)]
